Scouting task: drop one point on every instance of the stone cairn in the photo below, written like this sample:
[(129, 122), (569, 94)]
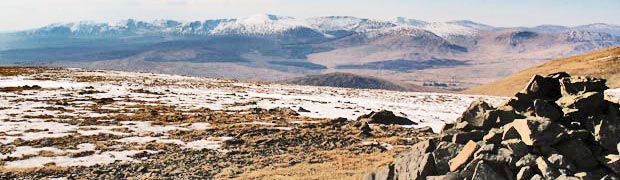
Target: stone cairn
[(558, 127)]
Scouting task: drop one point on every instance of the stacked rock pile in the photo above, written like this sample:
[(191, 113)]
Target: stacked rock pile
[(558, 127)]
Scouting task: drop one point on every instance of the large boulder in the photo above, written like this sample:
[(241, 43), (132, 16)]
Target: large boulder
[(580, 85), (536, 131), (547, 87), (442, 155), (479, 115), (464, 156), (414, 164), (547, 109), (580, 153), (385, 117), (585, 104)]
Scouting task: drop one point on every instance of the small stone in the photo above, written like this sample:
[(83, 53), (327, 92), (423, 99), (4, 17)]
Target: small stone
[(518, 147), (464, 137), (546, 169), (485, 172), (560, 162), (565, 177), (527, 160), (494, 136), (464, 156), (510, 132), (537, 177), (612, 162), (607, 133), (449, 176), (484, 149), (301, 109), (365, 127), (525, 173)]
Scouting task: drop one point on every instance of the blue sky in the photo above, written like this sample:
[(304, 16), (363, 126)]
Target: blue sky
[(25, 14)]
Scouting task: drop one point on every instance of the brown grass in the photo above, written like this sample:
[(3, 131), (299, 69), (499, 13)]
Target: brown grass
[(346, 165), (16, 71), (602, 63)]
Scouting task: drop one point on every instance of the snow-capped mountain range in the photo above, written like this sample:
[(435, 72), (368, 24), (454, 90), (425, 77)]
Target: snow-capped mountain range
[(267, 24), (271, 47)]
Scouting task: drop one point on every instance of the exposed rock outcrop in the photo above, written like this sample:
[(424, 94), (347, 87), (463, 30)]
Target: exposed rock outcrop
[(384, 117), (558, 127)]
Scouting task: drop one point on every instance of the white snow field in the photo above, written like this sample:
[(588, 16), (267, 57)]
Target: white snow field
[(34, 114)]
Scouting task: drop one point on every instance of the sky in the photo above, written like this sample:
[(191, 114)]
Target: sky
[(27, 14)]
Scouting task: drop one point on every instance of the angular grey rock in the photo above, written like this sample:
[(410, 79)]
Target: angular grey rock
[(527, 160), (510, 132), (442, 155), (464, 137), (448, 176), (546, 169), (416, 163), (607, 132), (525, 173), (539, 131), (612, 162), (484, 148), (464, 156), (494, 136), (560, 162), (588, 103), (547, 109), (565, 177), (479, 115), (414, 166), (518, 147), (580, 85), (579, 152), (537, 177), (486, 172)]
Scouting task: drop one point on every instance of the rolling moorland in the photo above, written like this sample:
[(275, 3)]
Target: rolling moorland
[(267, 47), (602, 64), (102, 124)]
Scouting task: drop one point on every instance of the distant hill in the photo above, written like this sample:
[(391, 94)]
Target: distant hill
[(602, 63), (348, 80)]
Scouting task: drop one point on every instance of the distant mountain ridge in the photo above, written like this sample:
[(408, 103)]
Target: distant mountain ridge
[(270, 24), (274, 48)]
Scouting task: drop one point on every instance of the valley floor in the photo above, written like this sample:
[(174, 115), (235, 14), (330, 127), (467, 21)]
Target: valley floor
[(75, 123)]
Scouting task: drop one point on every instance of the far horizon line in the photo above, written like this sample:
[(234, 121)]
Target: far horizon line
[(238, 17)]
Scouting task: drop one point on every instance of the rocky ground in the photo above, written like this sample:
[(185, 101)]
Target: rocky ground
[(558, 127), (91, 124)]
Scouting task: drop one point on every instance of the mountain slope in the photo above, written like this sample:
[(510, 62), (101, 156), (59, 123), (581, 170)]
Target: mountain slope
[(603, 63), (349, 80), (284, 47)]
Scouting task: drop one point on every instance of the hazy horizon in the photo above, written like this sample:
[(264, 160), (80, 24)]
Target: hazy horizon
[(33, 13)]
